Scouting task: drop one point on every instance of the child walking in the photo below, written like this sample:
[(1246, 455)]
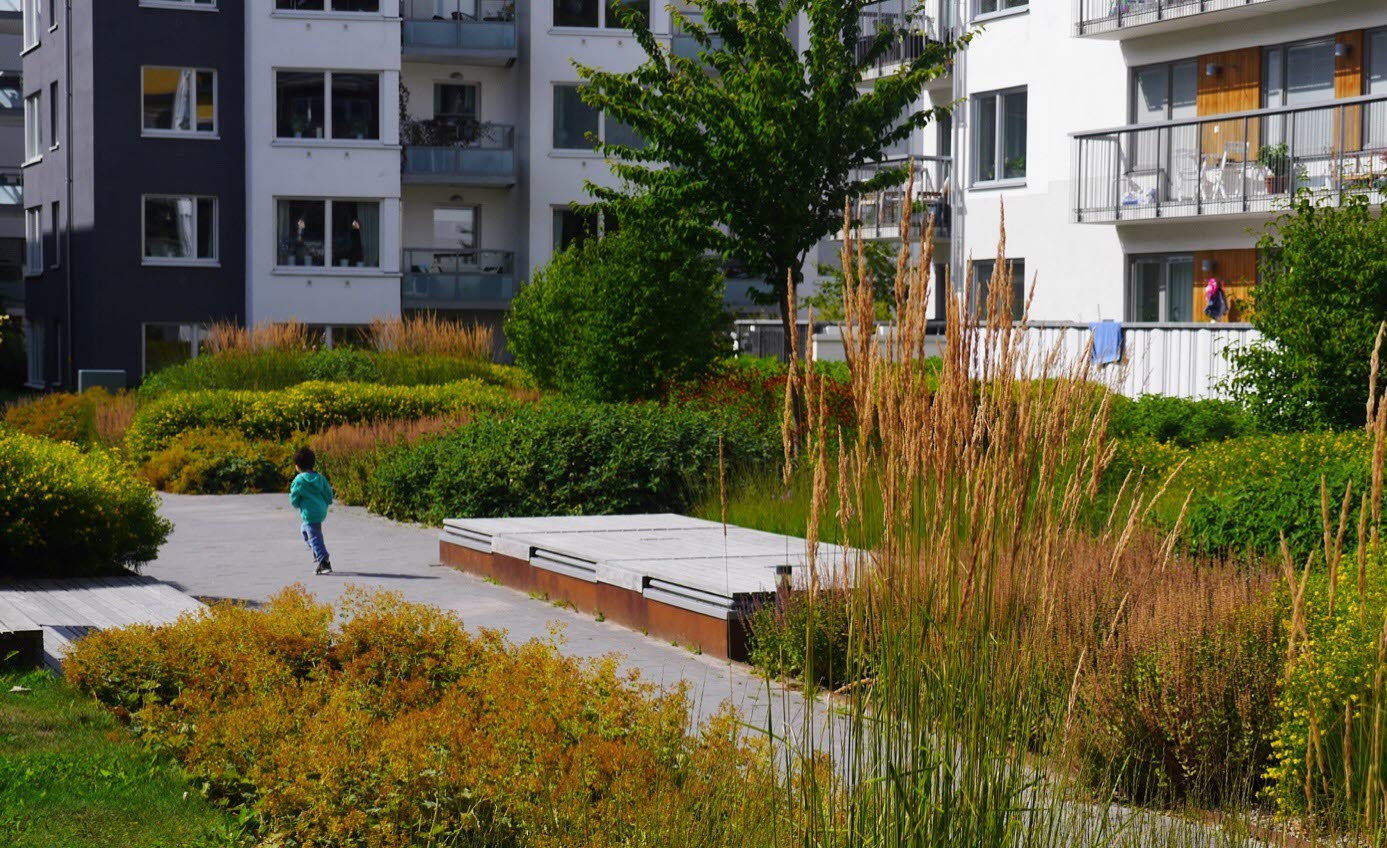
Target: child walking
[(311, 495)]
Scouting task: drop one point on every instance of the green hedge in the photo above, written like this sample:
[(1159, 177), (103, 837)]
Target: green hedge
[(562, 459), (1171, 420), (219, 462), (279, 369), (306, 408), (70, 513)]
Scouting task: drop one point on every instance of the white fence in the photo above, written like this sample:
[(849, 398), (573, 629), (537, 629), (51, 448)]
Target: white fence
[(1180, 360)]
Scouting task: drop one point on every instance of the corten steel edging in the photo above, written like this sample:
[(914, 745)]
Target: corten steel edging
[(622, 606), (560, 587), (509, 571), (718, 637)]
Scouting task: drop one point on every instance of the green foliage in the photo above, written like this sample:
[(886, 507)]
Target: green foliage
[(1318, 302), (61, 416), (803, 639), (269, 369), (619, 318), (879, 258), (69, 777), (70, 513), (305, 408), (754, 147), (1172, 420), (567, 459), (752, 390), (219, 462), (1333, 697)]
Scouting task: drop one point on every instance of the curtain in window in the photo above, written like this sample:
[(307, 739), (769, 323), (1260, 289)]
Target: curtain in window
[(182, 115), (356, 234), (187, 230)]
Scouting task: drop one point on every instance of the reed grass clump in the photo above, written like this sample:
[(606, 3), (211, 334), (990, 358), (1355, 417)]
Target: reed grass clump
[(349, 454), (429, 335)]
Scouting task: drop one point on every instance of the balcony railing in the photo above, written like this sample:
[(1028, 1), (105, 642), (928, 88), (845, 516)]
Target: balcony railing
[(457, 278), (1247, 162), (1095, 17), (439, 150), (11, 189), (878, 215), (913, 30), (474, 31)]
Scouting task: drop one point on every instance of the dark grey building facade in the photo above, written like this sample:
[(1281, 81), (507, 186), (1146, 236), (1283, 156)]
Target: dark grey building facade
[(134, 181)]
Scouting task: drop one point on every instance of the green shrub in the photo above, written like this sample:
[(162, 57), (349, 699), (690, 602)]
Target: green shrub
[(1171, 420), (266, 370), (799, 639), (752, 390), (619, 318), (62, 416), (566, 459), (70, 513), (305, 408), (1333, 697), (219, 462)]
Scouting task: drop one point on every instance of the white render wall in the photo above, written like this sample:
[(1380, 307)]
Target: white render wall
[(365, 170)]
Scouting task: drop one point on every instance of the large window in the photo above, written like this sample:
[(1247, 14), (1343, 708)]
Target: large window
[(33, 241), (578, 126), (574, 227), (989, 7), (32, 23), (1375, 133), (53, 114), (33, 127), (179, 230), (179, 100), (319, 104), (56, 228), (170, 344), (304, 227), (328, 5), (982, 287), (456, 226), (1300, 74), (595, 13), (1161, 288), (999, 136), (458, 101)]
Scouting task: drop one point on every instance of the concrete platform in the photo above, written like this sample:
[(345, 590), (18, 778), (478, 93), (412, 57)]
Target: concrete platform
[(672, 576)]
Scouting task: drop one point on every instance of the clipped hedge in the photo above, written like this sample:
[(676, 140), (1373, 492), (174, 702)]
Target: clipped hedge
[(1178, 421), (567, 459), (219, 462), (279, 369), (306, 408), (70, 513)]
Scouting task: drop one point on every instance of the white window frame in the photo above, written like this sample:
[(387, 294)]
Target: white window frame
[(185, 5), (33, 127), (601, 125), (327, 138), (979, 15), (180, 261), (33, 241), (328, 267), (606, 21), (328, 10), (33, 24), (211, 134), (999, 178)]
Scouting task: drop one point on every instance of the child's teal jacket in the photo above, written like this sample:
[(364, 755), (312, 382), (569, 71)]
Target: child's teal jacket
[(311, 495)]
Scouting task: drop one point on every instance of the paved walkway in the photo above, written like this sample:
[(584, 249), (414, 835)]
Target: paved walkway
[(247, 547)]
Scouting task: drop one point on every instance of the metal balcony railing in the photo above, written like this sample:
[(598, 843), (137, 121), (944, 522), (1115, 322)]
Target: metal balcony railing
[(1101, 16), (447, 150), (462, 28), (878, 215), (913, 30), (457, 278), (1246, 162)]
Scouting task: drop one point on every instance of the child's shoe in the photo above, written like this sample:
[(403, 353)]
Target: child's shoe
[(324, 567)]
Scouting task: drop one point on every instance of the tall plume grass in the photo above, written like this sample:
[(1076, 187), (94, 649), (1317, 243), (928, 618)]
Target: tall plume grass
[(226, 338), (429, 334)]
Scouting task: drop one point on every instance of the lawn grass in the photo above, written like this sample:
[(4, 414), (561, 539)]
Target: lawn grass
[(70, 776)]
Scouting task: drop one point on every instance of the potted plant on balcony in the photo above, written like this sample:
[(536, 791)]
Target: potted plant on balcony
[(1276, 159)]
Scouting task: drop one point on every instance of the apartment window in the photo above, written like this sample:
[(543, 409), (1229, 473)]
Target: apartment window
[(595, 13), (991, 7), (574, 227), (170, 344), (457, 101), (180, 230), (1300, 74), (204, 4), (33, 241), (304, 227), (35, 352), (318, 104), (56, 228), (32, 23), (576, 124), (1161, 288), (33, 127), (999, 136), (456, 226), (326, 6), (53, 115), (982, 287), (1376, 83), (1164, 92), (179, 100)]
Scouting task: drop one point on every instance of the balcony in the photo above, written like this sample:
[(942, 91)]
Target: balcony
[(914, 32), (461, 152), (878, 215), (457, 278), (11, 190), (1248, 163), (1131, 18), (11, 16), (469, 32)]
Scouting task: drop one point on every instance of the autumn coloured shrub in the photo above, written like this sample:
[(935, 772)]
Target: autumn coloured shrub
[(86, 419), (388, 724), (67, 512), (349, 453), (215, 461)]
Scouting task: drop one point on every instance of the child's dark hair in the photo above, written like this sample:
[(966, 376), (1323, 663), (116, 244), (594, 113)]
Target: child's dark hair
[(304, 459)]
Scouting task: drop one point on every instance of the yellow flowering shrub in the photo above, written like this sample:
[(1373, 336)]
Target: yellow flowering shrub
[(305, 408), (219, 462), (62, 416), (386, 724), (65, 512)]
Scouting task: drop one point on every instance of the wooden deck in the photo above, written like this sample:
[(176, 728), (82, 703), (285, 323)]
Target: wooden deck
[(40, 619)]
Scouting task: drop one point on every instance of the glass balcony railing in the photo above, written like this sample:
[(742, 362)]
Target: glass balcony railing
[(11, 189), (450, 151), (878, 214), (1248, 162), (11, 7), (457, 278), (475, 30), (1096, 17)]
